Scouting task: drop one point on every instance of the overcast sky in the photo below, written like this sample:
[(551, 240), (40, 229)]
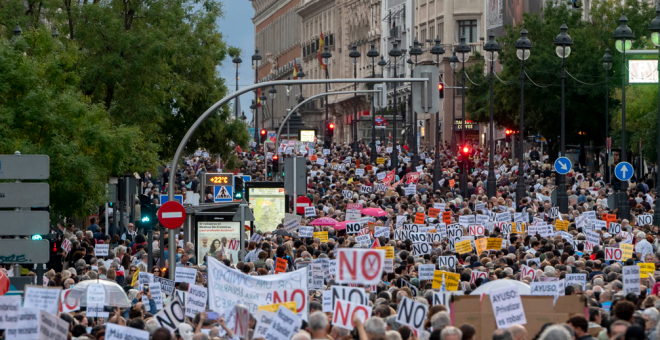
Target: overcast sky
[(238, 30)]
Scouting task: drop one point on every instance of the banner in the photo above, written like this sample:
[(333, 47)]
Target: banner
[(227, 286)]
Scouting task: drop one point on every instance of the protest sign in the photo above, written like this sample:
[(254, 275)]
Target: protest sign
[(353, 228), (494, 243), (9, 305), (645, 269), (420, 249), (476, 230), (166, 286), (477, 275), (614, 228), (114, 331), (306, 232), (433, 212), (627, 251), (196, 302), (280, 265), (481, 244), (419, 218), (451, 280), (449, 261), (644, 219), (172, 315), (242, 326), (507, 307), (284, 325), (613, 254), (322, 235), (544, 288), (411, 313), (291, 305), (310, 211), (464, 247), (97, 311), (35, 324), (264, 320), (382, 231), (580, 279), (527, 271), (442, 298), (425, 271), (41, 298), (227, 287), (345, 311), (352, 294), (291, 225), (187, 275), (363, 266), (389, 252), (631, 279), (101, 249), (96, 295), (347, 194)]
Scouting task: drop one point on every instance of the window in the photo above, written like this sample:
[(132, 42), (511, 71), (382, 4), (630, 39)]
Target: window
[(431, 35), (423, 35), (468, 28)]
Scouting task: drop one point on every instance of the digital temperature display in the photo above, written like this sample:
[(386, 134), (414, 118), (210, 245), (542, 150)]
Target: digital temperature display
[(219, 180)]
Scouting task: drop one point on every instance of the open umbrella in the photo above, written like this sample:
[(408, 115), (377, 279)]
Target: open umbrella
[(282, 232), (376, 212), (114, 294), (341, 225), (324, 221), (523, 288)]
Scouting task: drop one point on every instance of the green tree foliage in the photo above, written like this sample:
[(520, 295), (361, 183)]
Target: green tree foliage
[(122, 86), (584, 99)]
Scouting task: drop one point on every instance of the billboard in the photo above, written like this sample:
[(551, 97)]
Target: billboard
[(509, 12), (643, 71), (214, 236), (268, 206)]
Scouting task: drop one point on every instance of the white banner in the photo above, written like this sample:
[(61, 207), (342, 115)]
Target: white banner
[(227, 286)]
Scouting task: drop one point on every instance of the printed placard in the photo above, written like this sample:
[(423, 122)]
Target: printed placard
[(306, 232), (361, 266), (426, 271), (412, 313), (46, 299), (196, 300), (101, 249), (345, 311), (631, 279), (184, 274), (507, 307)]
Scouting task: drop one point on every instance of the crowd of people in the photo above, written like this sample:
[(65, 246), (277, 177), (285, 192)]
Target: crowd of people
[(613, 310)]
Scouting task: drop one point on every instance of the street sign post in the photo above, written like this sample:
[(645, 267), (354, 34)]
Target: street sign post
[(24, 195), (171, 214), (24, 167), (243, 214), (302, 202), (563, 165), (623, 171)]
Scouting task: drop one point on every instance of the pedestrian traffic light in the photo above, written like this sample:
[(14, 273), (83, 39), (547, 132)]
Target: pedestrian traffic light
[(441, 89), (148, 213), (262, 135), (276, 163), (238, 187)]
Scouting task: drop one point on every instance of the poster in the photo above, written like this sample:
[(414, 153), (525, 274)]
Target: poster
[(268, 205), (214, 236)]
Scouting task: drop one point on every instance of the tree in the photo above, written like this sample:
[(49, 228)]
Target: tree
[(42, 111), (585, 76)]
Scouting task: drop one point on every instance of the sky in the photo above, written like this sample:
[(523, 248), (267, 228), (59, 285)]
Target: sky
[(238, 30)]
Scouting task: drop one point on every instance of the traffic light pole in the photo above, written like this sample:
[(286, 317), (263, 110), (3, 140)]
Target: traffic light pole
[(213, 109), (150, 249)]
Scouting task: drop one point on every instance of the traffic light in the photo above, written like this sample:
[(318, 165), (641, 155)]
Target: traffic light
[(330, 130), (148, 213), (276, 163), (263, 135), (508, 135), (238, 188), (441, 89), (465, 150)]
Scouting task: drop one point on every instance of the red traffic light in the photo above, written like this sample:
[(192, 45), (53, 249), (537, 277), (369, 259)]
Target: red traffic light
[(441, 86), (263, 132), (276, 157), (331, 126), (508, 132), (466, 149)]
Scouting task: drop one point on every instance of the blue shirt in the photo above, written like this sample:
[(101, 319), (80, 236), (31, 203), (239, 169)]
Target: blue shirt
[(93, 227)]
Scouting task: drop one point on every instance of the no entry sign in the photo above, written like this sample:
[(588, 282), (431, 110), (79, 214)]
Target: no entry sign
[(302, 202), (171, 214)]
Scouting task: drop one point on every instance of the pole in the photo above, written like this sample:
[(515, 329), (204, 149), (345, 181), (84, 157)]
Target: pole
[(624, 208), (355, 116), (491, 185), (395, 153), (373, 117), (453, 115), (150, 249), (327, 121), (235, 106), (562, 195), (122, 226), (656, 210), (162, 248), (107, 225), (257, 136), (607, 128), (520, 186), (272, 113), (242, 208), (464, 176)]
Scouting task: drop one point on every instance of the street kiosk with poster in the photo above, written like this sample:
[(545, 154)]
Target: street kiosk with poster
[(214, 230), (268, 202)]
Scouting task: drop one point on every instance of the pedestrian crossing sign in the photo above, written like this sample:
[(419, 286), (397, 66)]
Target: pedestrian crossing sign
[(223, 194)]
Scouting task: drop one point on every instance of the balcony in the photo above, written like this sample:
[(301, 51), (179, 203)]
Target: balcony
[(427, 56)]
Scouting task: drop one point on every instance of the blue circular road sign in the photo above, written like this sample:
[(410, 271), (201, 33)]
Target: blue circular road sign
[(563, 165), (623, 171)]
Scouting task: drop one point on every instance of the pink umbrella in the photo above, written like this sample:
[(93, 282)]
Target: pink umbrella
[(324, 221), (377, 212), (342, 225)]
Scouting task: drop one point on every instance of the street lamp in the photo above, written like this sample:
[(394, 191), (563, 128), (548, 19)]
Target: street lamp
[(492, 48), (655, 38), (301, 75), (623, 42), (410, 113), (415, 52), (463, 54), (373, 54), (607, 61), (437, 51), (237, 64), (394, 54), (523, 47), (256, 62), (382, 63), (563, 42), (272, 93), (263, 99), (453, 63), (355, 58), (55, 34), (325, 58)]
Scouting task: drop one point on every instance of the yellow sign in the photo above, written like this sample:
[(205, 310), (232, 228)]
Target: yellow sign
[(323, 235), (291, 305), (389, 252), (561, 225), (494, 243), (627, 250), (380, 160), (464, 247), (135, 277), (645, 269), (451, 280), (307, 135), (520, 226), (482, 245)]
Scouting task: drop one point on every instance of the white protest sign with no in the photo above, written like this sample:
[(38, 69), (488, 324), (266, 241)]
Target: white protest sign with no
[(361, 266), (345, 311), (412, 313)]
